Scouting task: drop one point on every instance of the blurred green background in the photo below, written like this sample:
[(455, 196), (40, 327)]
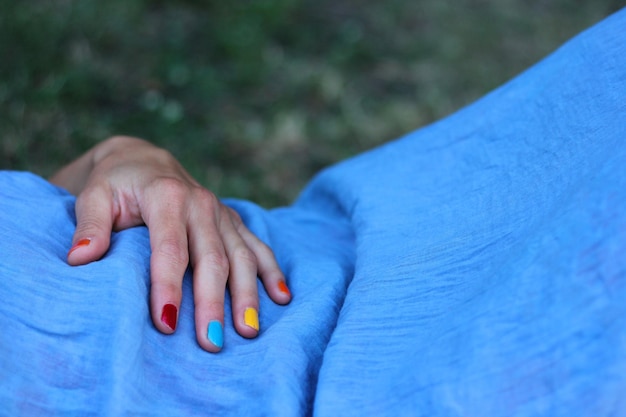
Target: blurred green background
[(254, 97)]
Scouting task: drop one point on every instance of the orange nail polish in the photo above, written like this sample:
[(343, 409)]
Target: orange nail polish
[(80, 244), (283, 288)]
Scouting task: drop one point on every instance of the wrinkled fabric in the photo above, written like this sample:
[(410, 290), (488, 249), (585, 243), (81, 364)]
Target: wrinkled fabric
[(475, 267)]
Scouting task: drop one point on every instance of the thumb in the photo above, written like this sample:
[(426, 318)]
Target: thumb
[(94, 222)]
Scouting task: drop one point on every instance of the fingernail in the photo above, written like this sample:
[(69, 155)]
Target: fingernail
[(251, 318), (283, 288), (169, 315), (80, 244), (216, 333)]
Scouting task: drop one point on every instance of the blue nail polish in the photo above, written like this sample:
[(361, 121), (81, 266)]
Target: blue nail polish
[(216, 333)]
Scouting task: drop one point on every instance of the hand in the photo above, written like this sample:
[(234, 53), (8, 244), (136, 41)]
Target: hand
[(125, 182)]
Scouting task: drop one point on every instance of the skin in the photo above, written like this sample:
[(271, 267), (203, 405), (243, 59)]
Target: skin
[(125, 182)]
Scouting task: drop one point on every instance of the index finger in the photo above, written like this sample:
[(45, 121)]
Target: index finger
[(165, 216)]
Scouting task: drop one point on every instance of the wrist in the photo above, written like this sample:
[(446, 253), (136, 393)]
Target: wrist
[(113, 145)]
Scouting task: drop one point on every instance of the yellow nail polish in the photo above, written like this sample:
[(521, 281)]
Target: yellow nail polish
[(251, 318)]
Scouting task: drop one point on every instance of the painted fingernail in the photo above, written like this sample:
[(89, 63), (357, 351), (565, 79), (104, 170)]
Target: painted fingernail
[(283, 288), (216, 333), (251, 318), (80, 244), (169, 316)]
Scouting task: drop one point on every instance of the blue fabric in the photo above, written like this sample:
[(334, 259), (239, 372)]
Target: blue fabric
[(476, 267)]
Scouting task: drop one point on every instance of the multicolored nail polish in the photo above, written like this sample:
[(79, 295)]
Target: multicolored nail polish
[(282, 286), (215, 333), (80, 244), (251, 318), (169, 316)]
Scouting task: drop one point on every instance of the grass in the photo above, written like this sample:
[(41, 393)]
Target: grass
[(254, 97)]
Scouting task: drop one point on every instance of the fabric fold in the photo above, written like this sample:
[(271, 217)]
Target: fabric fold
[(468, 234), (80, 341), (474, 267)]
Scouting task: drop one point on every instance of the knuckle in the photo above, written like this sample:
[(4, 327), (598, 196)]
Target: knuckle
[(89, 224), (202, 201), (173, 251), (264, 250), (167, 287), (235, 217), (216, 307), (95, 193), (247, 298), (266, 255), (242, 254), (205, 198), (217, 262), (172, 189)]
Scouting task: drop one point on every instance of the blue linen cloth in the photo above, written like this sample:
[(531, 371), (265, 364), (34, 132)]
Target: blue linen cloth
[(475, 267)]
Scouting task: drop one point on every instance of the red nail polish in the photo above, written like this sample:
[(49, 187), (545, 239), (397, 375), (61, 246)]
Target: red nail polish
[(169, 315), (80, 244), (283, 288)]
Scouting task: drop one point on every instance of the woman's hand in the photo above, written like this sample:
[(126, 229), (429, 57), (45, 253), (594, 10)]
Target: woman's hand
[(125, 182)]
